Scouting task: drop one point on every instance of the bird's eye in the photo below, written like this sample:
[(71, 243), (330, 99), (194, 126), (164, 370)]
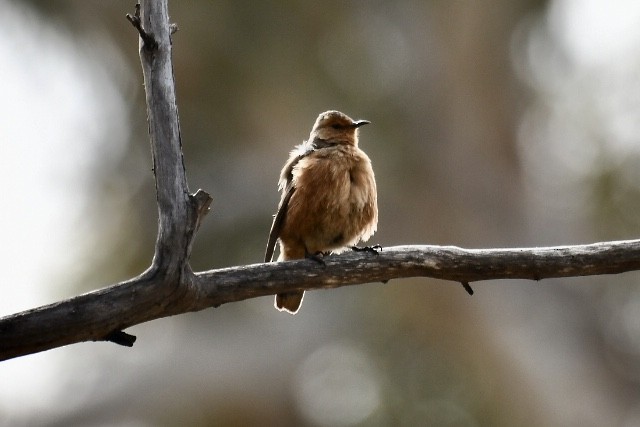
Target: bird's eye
[(336, 126)]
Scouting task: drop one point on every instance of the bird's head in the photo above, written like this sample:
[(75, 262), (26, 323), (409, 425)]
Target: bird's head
[(335, 127)]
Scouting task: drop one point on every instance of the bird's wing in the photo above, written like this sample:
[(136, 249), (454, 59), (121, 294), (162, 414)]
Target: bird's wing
[(278, 220), (286, 178)]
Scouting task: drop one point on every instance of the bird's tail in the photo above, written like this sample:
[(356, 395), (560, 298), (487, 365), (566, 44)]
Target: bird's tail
[(289, 302)]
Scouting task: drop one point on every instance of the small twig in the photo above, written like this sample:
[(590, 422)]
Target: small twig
[(147, 38), (121, 338), (202, 201), (467, 287)]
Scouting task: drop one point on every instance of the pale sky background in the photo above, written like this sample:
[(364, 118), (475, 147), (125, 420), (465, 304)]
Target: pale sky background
[(51, 128)]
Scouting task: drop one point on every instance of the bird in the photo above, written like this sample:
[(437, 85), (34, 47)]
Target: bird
[(329, 198)]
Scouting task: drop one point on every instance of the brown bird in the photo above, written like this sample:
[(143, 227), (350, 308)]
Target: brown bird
[(329, 199)]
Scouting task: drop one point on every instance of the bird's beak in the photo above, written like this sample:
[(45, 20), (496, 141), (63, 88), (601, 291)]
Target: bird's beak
[(359, 123)]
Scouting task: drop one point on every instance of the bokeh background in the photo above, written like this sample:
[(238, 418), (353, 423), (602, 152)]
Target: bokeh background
[(495, 124)]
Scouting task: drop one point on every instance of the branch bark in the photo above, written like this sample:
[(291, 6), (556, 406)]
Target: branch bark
[(91, 317), (169, 287)]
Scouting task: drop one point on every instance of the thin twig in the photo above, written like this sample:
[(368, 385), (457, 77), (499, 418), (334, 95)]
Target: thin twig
[(147, 38)]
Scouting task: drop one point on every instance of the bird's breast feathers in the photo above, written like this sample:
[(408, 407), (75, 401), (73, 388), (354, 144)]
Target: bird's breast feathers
[(338, 184)]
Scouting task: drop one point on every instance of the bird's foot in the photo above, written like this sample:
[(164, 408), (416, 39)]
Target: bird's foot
[(317, 256), (375, 249)]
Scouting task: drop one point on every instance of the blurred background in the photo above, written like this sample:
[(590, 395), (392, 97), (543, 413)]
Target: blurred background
[(498, 123)]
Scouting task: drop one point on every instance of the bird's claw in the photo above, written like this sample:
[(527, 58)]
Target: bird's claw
[(375, 249), (317, 257)]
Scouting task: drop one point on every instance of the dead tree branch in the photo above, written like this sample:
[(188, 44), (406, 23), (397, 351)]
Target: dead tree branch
[(169, 287), (95, 315)]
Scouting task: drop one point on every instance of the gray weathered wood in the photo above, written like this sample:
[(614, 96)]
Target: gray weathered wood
[(93, 315), (441, 262)]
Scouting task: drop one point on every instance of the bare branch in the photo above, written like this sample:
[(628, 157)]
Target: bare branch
[(147, 38), (439, 262), (94, 316), (179, 213)]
